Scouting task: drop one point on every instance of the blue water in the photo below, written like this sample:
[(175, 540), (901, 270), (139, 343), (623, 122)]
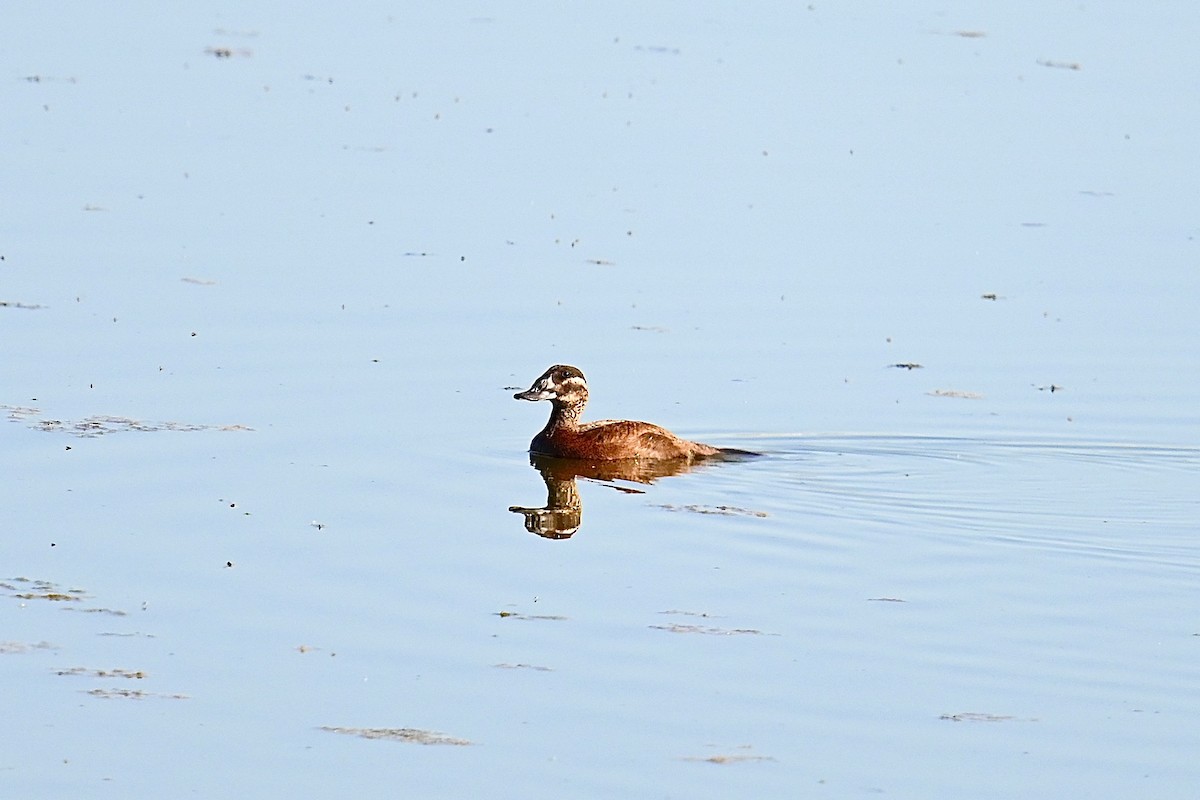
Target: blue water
[(265, 313)]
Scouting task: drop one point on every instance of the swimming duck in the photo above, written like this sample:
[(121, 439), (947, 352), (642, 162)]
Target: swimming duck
[(607, 440)]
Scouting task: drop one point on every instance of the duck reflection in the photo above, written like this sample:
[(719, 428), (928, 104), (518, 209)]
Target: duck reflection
[(563, 513)]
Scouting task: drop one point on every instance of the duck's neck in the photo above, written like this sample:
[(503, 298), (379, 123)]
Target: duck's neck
[(565, 416)]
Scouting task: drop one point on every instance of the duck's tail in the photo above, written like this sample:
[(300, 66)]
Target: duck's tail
[(735, 453)]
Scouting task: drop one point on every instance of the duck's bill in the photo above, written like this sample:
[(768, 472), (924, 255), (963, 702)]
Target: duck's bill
[(534, 394)]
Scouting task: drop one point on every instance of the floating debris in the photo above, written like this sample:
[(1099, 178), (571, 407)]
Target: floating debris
[(728, 511), (27, 589), (103, 673), (410, 735), (100, 425), (516, 615), (112, 612), (19, 412), (128, 634), (133, 694), (676, 628), (228, 52), (1073, 65), (909, 365), (658, 49), (726, 759), (534, 667), (955, 393), (48, 79), (971, 716), (10, 648), (56, 597), (744, 754)]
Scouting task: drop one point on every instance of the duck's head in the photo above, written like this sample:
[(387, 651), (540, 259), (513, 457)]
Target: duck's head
[(561, 383)]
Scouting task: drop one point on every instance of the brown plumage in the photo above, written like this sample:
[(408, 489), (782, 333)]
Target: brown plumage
[(607, 440)]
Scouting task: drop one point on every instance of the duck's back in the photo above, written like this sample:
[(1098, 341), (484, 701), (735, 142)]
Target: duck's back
[(618, 439)]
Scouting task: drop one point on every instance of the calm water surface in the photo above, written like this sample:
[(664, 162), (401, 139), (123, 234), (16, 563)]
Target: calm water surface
[(270, 280)]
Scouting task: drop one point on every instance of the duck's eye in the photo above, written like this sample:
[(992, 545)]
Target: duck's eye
[(563, 375)]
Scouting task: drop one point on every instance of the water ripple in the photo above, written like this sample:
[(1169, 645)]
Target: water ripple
[(1111, 499)]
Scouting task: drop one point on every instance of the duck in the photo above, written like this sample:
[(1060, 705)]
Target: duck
[(605, 440)]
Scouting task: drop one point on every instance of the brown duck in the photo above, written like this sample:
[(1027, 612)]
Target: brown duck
[(606, 440)]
